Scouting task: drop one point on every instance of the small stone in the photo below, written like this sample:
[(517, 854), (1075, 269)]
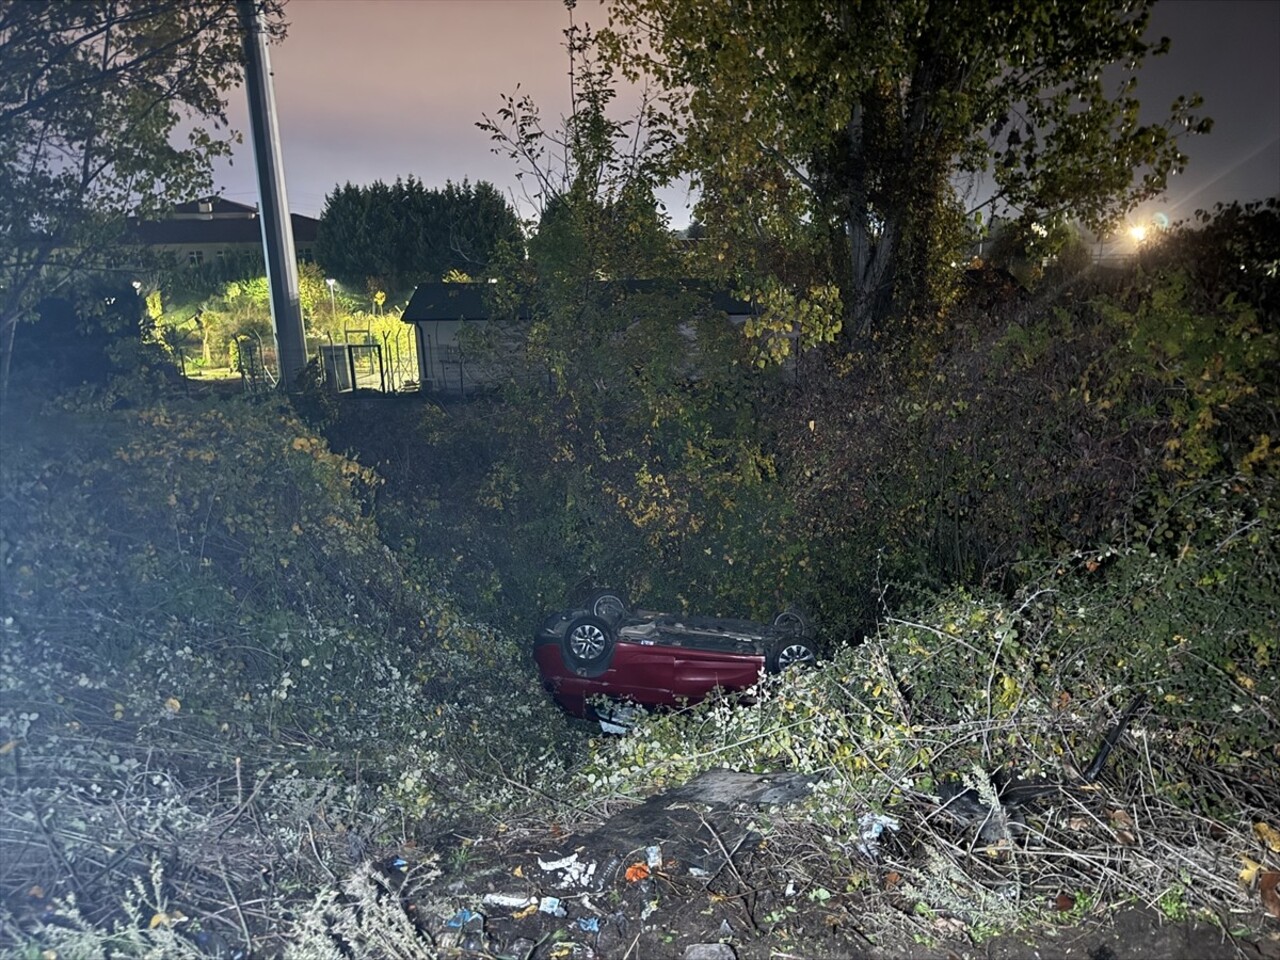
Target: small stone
[(709, 951)]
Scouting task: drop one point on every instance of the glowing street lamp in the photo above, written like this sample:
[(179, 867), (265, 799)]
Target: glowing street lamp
[(1139, 233), (333, 302)]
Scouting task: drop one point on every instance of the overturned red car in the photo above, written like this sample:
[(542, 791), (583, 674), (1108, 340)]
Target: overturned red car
[(600, 659)]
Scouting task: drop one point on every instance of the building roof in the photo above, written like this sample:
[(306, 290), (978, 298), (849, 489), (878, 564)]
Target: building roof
[(212, 208), (466, 301), (225, 230), (447, 301)]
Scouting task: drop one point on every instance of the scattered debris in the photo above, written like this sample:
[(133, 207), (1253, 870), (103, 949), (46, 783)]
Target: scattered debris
[(513, 901), (573, 872), (871, 826), (552, 907), (466, 919), (706, 820)]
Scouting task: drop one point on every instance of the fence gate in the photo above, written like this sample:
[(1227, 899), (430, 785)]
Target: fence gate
[(353, 366)]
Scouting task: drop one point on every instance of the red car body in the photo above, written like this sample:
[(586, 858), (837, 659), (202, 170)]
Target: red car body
[(658, 660)]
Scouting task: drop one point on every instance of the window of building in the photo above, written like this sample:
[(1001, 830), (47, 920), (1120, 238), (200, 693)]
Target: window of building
[(195, 258)]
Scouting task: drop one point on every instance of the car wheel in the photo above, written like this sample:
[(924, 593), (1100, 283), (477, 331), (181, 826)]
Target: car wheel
[(794, 621), (587, 644), (610, 605), (794, 652)]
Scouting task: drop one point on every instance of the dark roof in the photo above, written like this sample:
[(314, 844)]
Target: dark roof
[(218, 207), (466, 301), (447, 301), (233, 230)]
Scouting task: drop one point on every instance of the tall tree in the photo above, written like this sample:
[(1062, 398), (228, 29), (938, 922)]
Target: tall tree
[(405, 233), (626, 440), (858, 119), (107, 108)]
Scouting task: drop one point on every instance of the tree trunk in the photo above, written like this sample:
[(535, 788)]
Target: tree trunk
[(7, 332)]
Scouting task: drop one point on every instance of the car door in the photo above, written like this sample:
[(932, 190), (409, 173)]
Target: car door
[(641, 672), (698, 670)]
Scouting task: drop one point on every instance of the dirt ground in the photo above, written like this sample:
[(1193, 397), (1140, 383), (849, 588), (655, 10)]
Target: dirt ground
[(686, 921), (681, 877)]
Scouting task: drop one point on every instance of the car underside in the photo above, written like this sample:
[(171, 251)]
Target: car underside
[(599, 655)]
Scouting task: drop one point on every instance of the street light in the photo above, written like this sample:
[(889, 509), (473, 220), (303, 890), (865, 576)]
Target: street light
[(333, 302)]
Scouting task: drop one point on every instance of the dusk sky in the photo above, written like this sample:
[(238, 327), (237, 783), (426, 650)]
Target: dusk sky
[(377, 89)]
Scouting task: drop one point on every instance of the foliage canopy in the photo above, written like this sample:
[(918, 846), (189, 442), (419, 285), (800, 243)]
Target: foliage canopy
[(846, 127), (95, 99), (404, 234)]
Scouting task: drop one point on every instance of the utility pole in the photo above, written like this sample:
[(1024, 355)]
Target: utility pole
[(277, 227)]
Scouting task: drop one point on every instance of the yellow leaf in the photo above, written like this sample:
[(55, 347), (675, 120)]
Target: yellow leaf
[(1249, 873), (7, 747), (1268, 835), (173, 704), (159, 920), (518, 871)]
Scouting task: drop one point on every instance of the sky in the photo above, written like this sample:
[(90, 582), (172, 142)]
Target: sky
[(372, 90)]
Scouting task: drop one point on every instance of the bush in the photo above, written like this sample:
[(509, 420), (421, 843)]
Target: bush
[(203, 626), (973, 688)]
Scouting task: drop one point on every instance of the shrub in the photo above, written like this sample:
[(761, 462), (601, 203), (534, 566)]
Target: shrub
[(201, 620)]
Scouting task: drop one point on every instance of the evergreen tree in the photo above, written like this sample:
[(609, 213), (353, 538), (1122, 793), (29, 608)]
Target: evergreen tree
[(404, 234)]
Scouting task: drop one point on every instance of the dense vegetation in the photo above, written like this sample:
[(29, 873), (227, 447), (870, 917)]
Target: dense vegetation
[(265, 677), (107, 110), (396, 236), (238, 666), (863, 121)]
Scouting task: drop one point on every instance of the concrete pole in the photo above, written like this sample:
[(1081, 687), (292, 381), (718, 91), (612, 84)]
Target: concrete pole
[(277, 227)]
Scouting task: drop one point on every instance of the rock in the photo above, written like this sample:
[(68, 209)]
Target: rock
[(709, 951)]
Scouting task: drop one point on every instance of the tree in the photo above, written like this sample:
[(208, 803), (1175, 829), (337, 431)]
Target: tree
[(405, 234), (590, 179), (850, 124), (96, 99), (625, 441)]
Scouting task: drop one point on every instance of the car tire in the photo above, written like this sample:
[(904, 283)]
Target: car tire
[(793, 652), (795, 621), (587, 645), (610, 605)]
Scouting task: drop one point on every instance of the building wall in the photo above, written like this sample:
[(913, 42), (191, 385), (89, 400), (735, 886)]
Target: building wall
[(198, 254), (442, 363)]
